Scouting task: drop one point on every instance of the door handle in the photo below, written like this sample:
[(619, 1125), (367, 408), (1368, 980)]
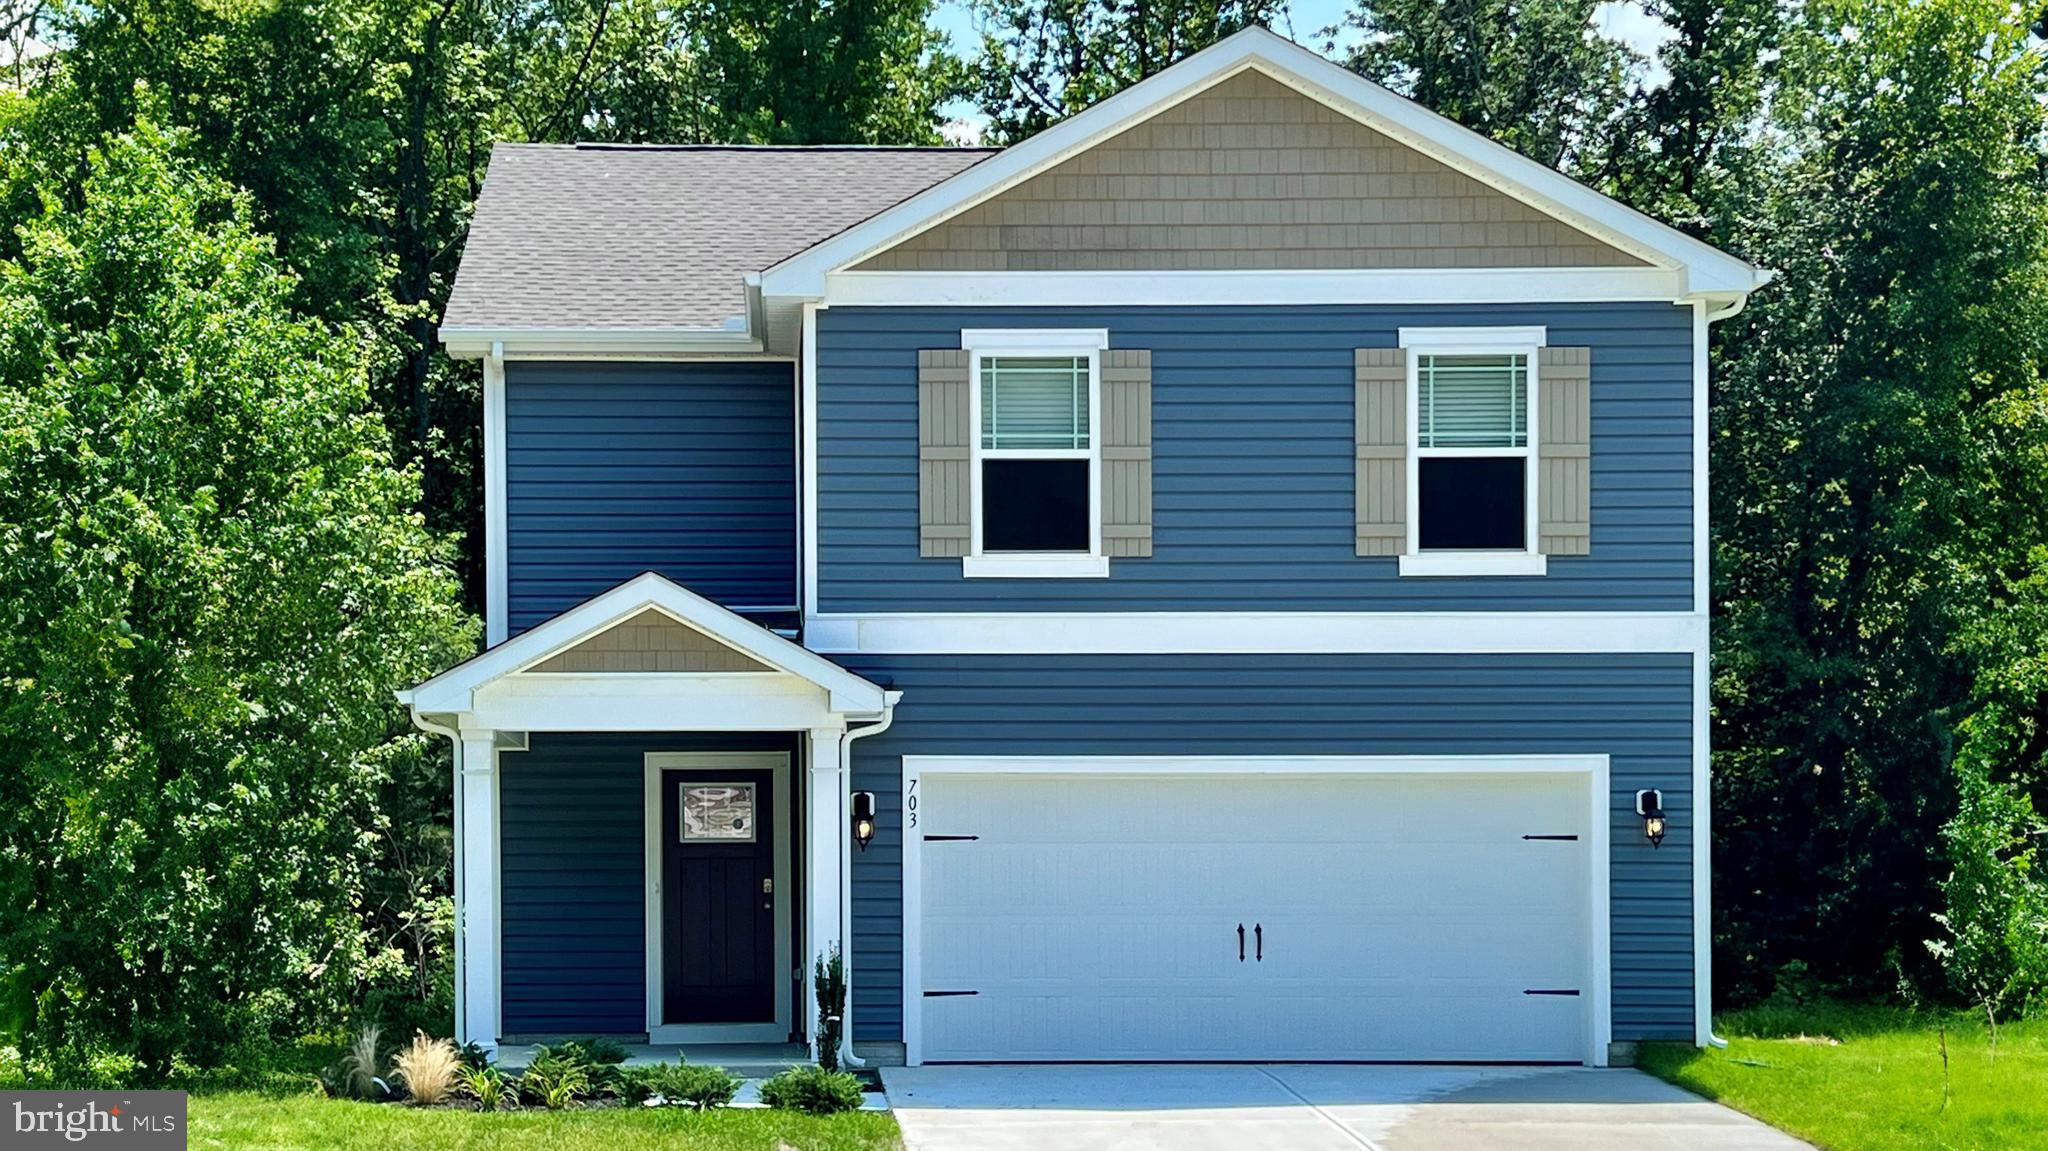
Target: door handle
[(1259, 941), (1240, 943)]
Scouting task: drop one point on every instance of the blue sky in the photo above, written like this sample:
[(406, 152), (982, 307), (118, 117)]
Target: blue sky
[(1304, 22)]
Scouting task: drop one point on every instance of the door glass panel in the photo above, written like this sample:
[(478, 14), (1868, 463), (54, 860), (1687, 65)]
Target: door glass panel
[(718, 812)]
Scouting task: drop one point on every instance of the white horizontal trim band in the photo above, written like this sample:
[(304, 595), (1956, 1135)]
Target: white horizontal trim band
[(1254, 764), (1266, 633), (1312, 286)]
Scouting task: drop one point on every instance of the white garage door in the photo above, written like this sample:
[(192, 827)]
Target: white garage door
[(1383, 917)]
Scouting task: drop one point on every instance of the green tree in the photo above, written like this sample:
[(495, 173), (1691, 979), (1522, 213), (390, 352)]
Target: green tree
[(1044, 60), (1995, 919), (212, 579), (1533, 74), (1689, 146), (1878, 438)]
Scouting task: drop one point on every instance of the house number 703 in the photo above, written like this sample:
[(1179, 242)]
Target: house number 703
[(910, 805)]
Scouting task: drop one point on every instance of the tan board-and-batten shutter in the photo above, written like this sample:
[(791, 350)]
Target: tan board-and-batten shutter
[(1381, 375), (1564, 451), (945, 420), (1126, 452)]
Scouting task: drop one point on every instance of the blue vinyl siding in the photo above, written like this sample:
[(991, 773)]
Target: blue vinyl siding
[(615, 469), (572, 850), (1635, 708), (1253, 475)]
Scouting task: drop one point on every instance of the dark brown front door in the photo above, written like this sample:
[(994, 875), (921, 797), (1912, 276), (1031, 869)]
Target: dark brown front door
[(718, 902)]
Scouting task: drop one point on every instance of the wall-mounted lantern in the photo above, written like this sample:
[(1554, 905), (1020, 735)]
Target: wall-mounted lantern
[(1650, 805), (863, 818)]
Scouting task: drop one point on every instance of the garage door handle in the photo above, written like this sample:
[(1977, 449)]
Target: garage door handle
[(1259, 941), (1240, 943)]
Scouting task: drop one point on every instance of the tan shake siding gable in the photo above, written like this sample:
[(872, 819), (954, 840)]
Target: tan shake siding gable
[(1564, 456), (1381, 377), (944, 423), (1126, 452), (1249, 174), (649, 641)]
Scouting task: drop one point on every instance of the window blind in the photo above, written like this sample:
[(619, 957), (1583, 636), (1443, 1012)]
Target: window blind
[(1472, 401), (1034, 402)]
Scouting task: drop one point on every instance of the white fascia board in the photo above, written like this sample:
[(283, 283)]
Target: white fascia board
[(1257, 633), (1249, 287), (455, 689), (586, 343), (1704, 268)]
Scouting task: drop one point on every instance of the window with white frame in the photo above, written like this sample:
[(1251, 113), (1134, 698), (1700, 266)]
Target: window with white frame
[(1036, 459), (1472, 457)]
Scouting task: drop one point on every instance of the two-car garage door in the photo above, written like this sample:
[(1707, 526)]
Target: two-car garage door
[(1242, 917)]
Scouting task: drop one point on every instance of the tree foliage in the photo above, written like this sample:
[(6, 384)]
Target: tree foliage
[(1879, 435), (212, 578), (1532, 74), (1044, 60)]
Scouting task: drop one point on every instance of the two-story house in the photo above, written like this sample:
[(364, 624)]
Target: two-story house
[(1224, 578)]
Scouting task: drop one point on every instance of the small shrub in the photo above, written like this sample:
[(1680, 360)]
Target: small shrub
[(354, 1075), (555, 1078), (473, 1054), (812, 1090), (427, 1066), (487, 1085), (680, 1085), (828, 977), (602, 1051)]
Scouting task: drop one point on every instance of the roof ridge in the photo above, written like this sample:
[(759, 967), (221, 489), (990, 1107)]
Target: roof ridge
[(604, 146)]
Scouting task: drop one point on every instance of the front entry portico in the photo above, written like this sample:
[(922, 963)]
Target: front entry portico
[(741, 811)]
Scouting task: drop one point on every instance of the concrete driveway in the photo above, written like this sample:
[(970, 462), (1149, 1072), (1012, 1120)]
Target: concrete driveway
[(1309, 1107)]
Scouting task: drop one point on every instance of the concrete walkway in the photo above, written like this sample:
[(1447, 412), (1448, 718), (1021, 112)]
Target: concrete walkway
[(1309, 1107)]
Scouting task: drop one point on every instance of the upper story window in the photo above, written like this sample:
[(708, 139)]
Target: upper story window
[(1472, 449), (1472, 463), (1036, 462)]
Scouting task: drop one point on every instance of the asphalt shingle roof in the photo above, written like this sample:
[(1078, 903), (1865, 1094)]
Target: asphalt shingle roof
[(623, 237)]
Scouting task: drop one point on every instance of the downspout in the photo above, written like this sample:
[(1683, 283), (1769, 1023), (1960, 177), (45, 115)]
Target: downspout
[(889, 699), (455, 883)]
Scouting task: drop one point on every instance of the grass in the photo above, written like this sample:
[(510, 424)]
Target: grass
[(254, 1121), (1854, 1078)]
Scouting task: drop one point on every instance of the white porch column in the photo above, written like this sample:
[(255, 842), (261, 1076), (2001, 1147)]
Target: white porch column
[(824, 857), (477, 916)]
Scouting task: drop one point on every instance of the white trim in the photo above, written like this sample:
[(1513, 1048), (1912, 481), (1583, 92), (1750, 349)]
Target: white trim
[(1526, 343), (654, 765), (1455, 341), (1270, 633), (579, 343), (1529, 563), (982, 344), (807, 400), (1019, 566), (1595, 769), (497, 602), (455, 690), (1704, 268), (1702, 718), (1240, 288), (478, 915)]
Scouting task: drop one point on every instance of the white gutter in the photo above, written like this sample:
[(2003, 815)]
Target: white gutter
[(541, 343), (889, 699), (455, 884)]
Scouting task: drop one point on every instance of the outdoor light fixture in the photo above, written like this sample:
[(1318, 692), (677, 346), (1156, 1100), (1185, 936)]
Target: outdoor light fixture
[(1650, 805), (863, 818)]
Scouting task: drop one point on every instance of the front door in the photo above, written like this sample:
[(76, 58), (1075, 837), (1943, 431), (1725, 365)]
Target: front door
[(718, 904)]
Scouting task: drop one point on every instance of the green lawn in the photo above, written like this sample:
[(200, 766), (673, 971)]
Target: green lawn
[(1870, 1079), (249, 1121)]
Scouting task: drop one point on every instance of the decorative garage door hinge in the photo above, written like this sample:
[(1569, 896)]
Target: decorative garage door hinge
[(947, 994), (1572, 991), (948, 838), (1571, 838)]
